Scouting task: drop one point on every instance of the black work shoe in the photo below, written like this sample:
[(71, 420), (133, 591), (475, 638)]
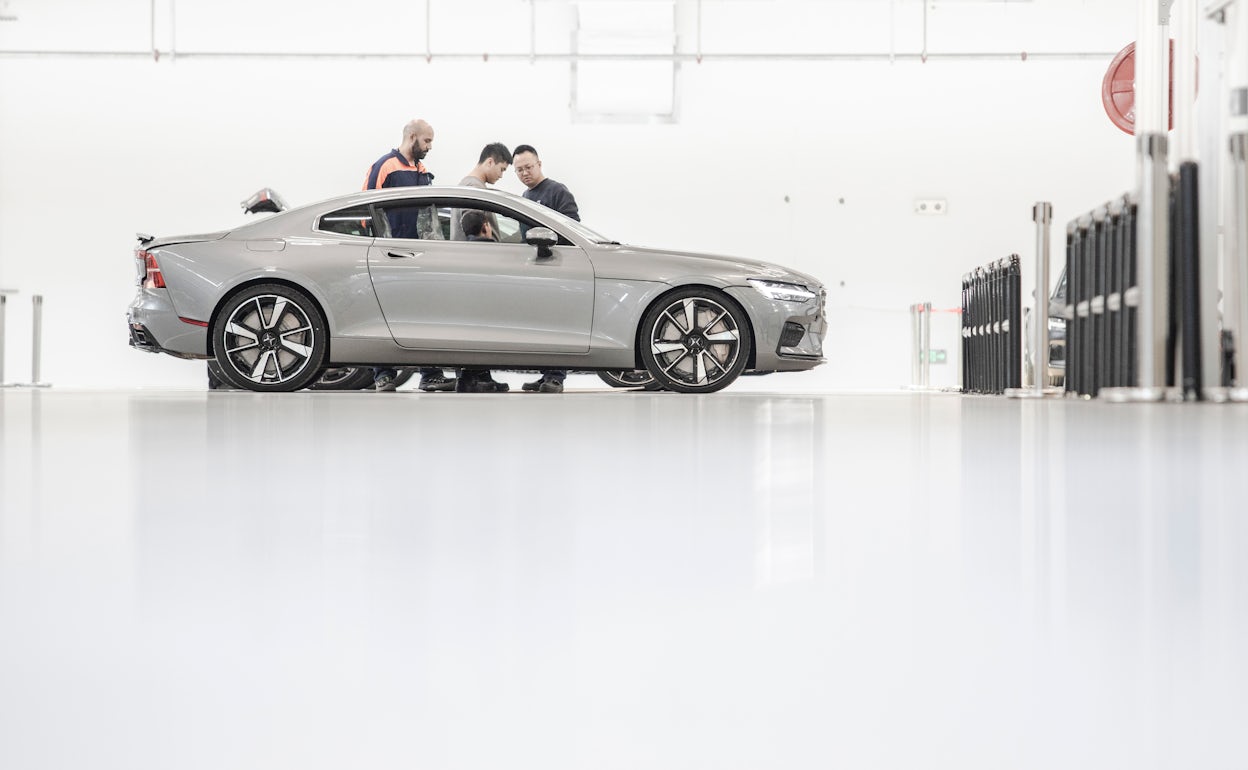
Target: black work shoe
[(545, 385), (480, 385), (384, 384), (437, 383), (488, 384)]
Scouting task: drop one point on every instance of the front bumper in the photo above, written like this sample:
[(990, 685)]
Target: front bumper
[(788, 335), (154, 326)]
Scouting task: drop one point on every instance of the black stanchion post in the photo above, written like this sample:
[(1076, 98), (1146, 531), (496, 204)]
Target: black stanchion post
[(1113, 298), (1014, 330), (1100, 279), (1188, 226), (966, 379), (1072, 245), (1080, 274), (1131, 294), (1173, 288)]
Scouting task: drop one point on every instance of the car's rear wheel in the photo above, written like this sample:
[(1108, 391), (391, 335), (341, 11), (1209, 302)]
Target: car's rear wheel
[(269, 337), (639, 378), (695, 340)]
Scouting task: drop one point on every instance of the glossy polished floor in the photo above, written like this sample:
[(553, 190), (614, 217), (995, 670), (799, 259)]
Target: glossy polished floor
[(620, 580)]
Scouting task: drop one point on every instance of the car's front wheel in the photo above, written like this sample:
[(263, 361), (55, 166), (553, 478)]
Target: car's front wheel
[(343, 378), (695, 340), (269, 337)]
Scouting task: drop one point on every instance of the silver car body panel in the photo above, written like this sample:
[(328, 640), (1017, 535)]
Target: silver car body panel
[(408, 302), (484, 297)]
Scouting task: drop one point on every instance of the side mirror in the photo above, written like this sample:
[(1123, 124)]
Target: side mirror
[(543, 238)]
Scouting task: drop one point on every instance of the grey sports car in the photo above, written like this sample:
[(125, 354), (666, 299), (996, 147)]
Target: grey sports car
[(372, 278)]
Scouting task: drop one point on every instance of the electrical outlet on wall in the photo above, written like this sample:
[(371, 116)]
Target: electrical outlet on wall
[(930, 206)]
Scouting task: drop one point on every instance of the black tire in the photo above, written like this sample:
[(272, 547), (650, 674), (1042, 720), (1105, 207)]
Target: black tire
[(695, 340), (343, 378), (269, 338), (404, 376), (638, 378), (216, 380)]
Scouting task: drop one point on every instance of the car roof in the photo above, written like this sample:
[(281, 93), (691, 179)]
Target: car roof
[(424, 191)]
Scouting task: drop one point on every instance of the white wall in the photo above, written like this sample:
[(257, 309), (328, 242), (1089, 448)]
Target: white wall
[(815, 164)]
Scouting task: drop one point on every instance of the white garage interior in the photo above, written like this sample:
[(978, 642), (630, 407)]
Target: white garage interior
[(833, 568)]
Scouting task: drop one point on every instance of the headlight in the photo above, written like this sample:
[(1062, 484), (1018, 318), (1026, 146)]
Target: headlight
[(785, 292)]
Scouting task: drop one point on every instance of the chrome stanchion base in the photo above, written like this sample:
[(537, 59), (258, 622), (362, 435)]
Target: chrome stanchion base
[(1135, 395), (1033, 393), (1216, 395)]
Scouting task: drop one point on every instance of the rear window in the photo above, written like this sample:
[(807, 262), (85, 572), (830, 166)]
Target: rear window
[(357, 220)]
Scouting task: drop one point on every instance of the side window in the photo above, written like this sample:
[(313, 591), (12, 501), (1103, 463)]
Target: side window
[(502, 228), (353, 221), (409, 220), (442, 219)]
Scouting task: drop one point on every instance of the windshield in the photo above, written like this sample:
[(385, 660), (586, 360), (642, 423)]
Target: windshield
[(571, 224)]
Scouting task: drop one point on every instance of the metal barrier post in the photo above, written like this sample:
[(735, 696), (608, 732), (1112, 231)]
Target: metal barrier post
[(3, 299), (1152, 89), (36, 344), (915, 343), (1236, 20), (927, 344), (1042, 215), (1153, 273), (1237, 255)]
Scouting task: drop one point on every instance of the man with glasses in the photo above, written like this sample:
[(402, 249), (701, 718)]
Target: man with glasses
[(553, 195)]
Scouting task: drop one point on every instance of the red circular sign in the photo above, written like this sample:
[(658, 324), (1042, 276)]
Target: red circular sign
[(1118, 89)]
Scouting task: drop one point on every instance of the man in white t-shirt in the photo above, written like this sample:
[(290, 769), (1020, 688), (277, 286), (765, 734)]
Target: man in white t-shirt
[(494, 160)]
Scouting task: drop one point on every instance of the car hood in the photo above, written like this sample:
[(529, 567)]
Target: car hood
[(639, 262)]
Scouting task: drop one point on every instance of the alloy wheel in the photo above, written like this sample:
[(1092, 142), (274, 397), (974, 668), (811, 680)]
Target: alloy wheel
[(696, 342), (269, 339)]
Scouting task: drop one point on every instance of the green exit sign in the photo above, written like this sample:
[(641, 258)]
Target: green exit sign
[(937, 357)]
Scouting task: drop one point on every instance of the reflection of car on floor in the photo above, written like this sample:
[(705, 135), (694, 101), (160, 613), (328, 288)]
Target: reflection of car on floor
[(370, 279)]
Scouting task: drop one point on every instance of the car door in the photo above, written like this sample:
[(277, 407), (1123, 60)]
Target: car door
[(477, 296)]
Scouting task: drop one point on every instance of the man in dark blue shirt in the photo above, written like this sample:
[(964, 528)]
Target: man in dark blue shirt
[(552, 195), (403, 167), (543, 190)]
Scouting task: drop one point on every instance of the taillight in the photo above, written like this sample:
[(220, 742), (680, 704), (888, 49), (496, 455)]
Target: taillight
[(154, 278)]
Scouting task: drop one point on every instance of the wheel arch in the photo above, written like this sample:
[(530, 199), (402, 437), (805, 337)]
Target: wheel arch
[(256, 281), (749, 322)]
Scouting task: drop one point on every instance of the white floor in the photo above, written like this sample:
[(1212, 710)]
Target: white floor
[(620, 580)]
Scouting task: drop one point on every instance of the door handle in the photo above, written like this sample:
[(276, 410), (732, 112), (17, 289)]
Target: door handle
[(403, 254)]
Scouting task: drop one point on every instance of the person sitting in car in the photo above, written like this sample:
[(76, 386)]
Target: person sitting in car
[(477, 227)]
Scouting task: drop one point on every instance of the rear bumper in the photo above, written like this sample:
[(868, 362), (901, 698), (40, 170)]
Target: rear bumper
[(154, 327)]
